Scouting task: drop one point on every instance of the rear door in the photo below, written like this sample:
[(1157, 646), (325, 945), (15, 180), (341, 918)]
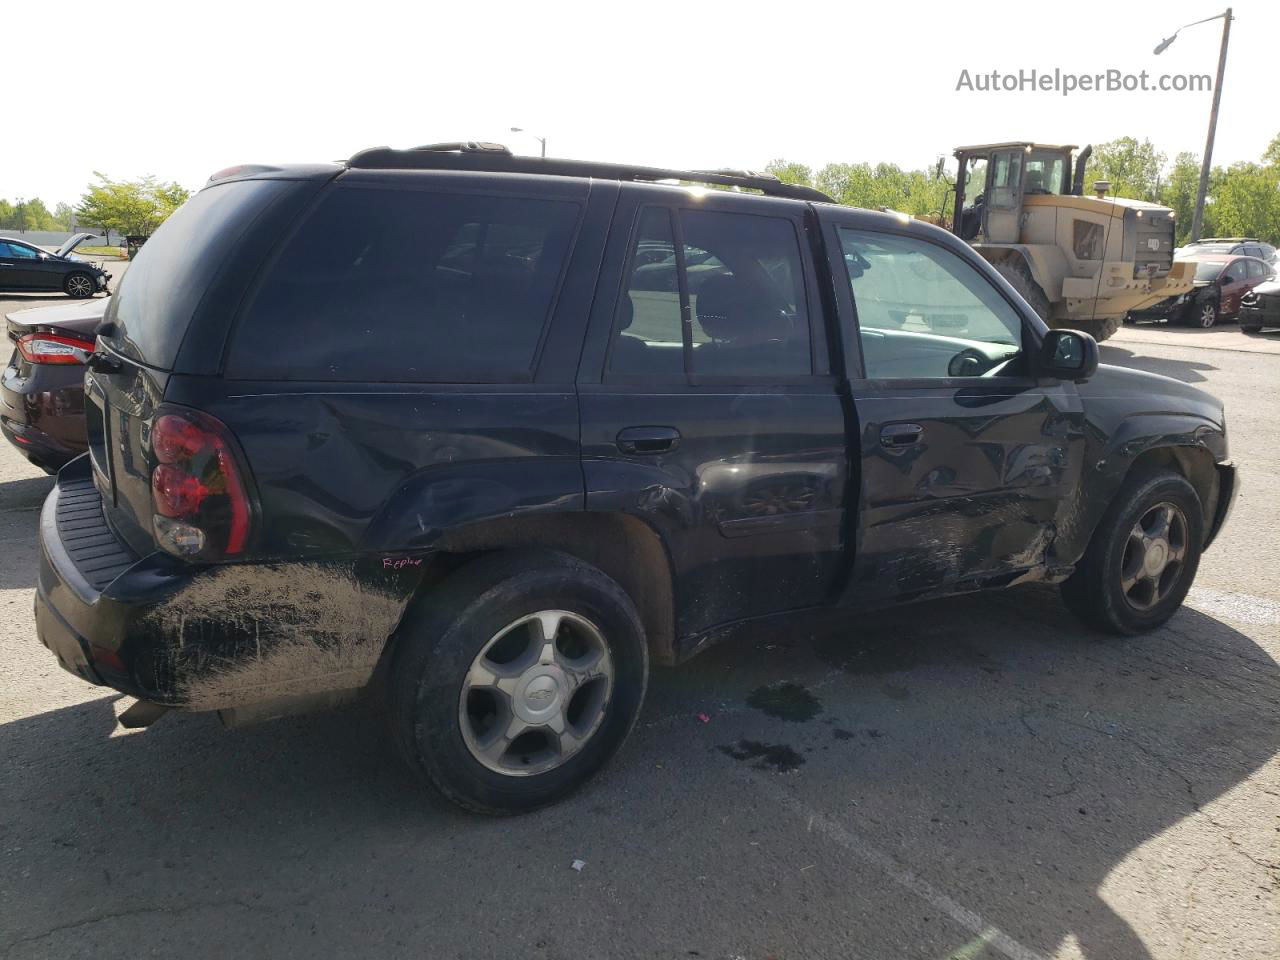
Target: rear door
[(709, 409), (966, 459)]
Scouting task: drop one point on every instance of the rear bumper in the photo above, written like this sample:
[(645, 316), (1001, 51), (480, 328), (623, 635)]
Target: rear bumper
[(93, 594), (213, 637), (42, 412)]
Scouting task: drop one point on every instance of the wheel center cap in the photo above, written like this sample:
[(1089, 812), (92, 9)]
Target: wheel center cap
[(1157, 557), (538, 696)]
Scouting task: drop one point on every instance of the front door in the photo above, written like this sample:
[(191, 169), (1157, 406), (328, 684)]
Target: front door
[(708, 407), (966, 459), (1002, 211), (20, 266), (1234, 285)]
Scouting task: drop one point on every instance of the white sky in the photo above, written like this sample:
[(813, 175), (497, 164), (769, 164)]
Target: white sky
[(193, 87)]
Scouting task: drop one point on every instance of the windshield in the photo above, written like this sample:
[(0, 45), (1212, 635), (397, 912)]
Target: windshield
[(1209, 269)]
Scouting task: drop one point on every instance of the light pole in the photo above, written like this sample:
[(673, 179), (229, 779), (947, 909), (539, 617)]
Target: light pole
[(541, 140), (1197, 218)]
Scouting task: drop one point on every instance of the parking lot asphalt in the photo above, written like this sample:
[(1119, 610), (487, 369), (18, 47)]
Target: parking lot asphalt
[(973, 778)]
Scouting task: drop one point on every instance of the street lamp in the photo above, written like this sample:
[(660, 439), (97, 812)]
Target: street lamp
[(1198, 217), (541, 140)]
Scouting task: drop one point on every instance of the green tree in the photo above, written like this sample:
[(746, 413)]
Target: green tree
[(1132, 167), (64, 216), (789, 172), (1178, 193), (132, 207), (1246, 202), (6, 215)]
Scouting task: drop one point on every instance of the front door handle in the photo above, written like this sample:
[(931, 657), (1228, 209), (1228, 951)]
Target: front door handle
[(901, 434), (648, 440)]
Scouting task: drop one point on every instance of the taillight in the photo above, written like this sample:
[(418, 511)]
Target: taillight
[(198, 491), (53, 348)]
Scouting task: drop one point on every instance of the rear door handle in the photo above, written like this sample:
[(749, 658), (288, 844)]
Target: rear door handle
[(648, 440), (901, 434)]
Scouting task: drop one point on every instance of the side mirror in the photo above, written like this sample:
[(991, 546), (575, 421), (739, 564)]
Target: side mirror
[(1069, 355)]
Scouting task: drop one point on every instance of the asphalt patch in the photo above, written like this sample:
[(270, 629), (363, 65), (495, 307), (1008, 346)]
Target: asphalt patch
[(786, 701), (776, 756)]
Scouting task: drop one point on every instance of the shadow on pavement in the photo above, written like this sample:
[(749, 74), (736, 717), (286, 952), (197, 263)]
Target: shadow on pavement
[(1188, 371), (1047, 743)]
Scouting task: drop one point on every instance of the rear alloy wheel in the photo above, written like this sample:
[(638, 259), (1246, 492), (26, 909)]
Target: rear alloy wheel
[(536, 693), (78, 286), (516, 678), (1206, 315), (1143, 556)]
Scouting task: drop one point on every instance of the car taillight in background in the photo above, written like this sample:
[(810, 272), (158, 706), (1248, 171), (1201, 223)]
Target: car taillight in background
[(198, 491), (53, 348)]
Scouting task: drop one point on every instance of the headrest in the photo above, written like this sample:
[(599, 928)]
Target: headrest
[(729, 309), (626, 312)]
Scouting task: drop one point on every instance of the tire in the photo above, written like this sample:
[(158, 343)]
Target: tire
[(1203, 315), (1100, 328), (1019, 277), (1249, 328), (79, 286), (444, 703), (1096, 592)]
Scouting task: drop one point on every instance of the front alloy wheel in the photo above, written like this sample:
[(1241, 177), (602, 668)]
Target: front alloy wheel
[(1207, 315), (1152, 562), (536, 693), (79, 286)]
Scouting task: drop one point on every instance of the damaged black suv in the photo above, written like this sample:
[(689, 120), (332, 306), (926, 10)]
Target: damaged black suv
[(491, 434)]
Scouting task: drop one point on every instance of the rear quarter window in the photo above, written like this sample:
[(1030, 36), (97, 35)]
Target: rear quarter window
[(395, 285), (159, 293)]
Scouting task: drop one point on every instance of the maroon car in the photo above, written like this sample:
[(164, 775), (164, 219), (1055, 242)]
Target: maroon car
[(42, 388), (1220, 281)]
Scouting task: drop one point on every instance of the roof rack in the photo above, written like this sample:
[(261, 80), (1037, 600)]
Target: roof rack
[(496, 158)]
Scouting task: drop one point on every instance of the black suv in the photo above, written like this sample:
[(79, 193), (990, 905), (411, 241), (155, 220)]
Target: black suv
[(492, 434)]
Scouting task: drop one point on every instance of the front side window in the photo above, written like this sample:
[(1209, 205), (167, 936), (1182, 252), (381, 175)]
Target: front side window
[(409, 286), (713, 294), (925, 313), (1236, 272), (18, 251)]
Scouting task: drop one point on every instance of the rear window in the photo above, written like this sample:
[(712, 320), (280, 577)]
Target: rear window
[(409, 286), (160, 291)]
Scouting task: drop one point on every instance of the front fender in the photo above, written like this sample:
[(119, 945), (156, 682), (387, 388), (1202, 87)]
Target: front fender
[(1193, 444)]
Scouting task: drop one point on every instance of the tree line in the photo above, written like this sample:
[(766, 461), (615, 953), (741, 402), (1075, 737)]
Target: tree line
[(1243, 198), (129, 207)]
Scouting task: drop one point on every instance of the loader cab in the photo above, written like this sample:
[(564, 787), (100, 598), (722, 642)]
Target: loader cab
[(994, 180)]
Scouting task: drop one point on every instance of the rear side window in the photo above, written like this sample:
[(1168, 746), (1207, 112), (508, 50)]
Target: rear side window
[(164, 284), (408, 286), (724, 297)]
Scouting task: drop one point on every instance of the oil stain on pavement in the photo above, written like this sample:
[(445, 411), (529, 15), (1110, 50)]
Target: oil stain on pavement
[(786, 701), (777, 756)]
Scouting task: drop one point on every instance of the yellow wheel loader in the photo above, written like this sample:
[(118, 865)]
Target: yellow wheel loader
[(1081, 261)]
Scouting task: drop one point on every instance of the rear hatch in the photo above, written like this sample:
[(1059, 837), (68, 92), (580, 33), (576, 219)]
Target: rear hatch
[(169, 317)]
